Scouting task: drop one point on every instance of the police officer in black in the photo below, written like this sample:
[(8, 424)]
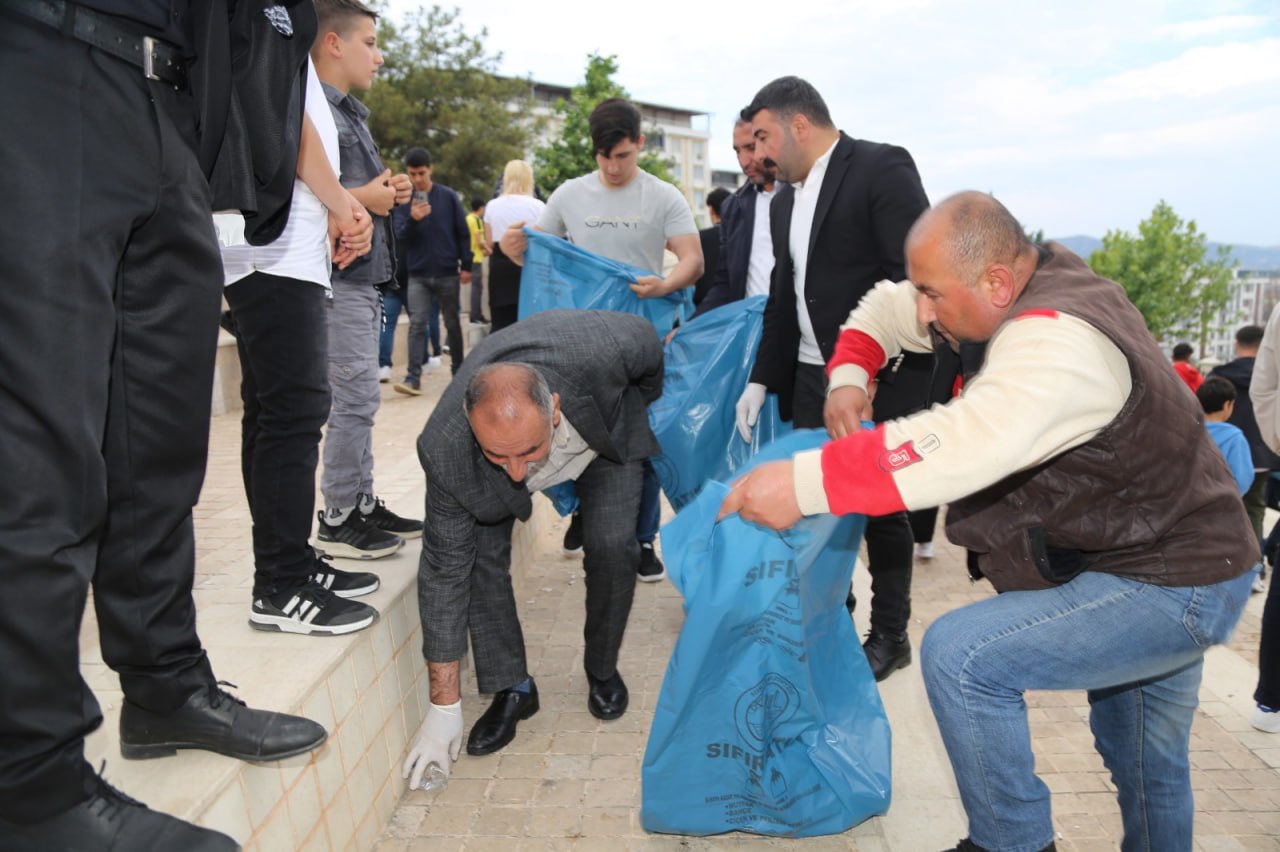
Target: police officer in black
[(116, 113)]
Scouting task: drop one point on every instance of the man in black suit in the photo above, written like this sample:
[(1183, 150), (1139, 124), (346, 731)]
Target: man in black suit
[(710, 239), (746, 248), (839, 225), (559, 396)]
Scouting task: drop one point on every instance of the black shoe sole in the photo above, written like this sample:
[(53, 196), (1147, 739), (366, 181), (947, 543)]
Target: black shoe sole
[(133, 751), (533, 707)]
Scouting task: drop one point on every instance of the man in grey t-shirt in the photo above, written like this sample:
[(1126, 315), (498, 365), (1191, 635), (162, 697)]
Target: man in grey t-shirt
[(625, 214)]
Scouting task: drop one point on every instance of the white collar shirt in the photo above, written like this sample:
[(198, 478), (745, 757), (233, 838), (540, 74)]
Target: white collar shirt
[(802, 212)]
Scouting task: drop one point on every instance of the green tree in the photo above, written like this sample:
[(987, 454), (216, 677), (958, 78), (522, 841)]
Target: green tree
[(1167, 273), (440, 89), (572, 155)]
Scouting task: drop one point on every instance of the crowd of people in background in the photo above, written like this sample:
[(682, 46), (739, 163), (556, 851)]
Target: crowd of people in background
[(1000, 378)]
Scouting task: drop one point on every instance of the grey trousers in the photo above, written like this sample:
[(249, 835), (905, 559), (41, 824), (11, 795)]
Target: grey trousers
[(355, 317), (610, 497), (421, 289)]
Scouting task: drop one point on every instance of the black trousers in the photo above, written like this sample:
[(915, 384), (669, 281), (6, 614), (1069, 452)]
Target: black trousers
[(109, 299), (890, 548), (282, 337)]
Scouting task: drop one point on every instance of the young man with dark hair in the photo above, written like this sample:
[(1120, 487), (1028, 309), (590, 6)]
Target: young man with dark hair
[(826, 257), (710, 240), (623, 213), (355, 523), (433, 227)]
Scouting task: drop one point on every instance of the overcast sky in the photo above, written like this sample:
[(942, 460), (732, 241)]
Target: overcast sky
[(1080, 116)]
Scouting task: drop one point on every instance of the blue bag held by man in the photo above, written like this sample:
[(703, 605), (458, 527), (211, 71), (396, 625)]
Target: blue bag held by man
[(769, 720), (558, 274), (708, 362)]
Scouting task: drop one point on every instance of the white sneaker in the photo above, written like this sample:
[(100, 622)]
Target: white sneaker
[(924, 550), (1266, 719), (384, 375), (433, 361), (1259, 585)]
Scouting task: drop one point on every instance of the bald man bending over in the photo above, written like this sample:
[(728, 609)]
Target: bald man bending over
[(1117, 568), (559, 396)]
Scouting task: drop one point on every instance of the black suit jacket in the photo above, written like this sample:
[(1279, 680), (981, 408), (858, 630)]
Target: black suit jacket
[(870, 196), (737, 223)]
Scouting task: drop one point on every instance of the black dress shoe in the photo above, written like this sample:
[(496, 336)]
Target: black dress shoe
[(110, 820), (497, 726), (607, 699), (968, 845), (213, 719), (886, 653)]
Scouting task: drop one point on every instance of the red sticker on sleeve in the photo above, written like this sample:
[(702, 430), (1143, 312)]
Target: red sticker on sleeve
[(899, 457)]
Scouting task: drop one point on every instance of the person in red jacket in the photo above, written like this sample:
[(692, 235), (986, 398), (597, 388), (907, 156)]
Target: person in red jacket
[(1184, 368)]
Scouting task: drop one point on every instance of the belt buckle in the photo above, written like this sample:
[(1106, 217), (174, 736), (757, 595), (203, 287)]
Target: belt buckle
[(148, 58)]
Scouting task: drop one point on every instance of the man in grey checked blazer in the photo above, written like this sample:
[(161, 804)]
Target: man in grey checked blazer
[(489, 440)]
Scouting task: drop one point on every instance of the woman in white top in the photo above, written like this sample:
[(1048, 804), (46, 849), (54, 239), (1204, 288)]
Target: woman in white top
[(516, 204)]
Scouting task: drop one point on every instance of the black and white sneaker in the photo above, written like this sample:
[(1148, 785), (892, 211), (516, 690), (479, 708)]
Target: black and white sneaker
[(385, 519), (573, 535), (651, 569), (344, 584), (355, 538), (310, 609)]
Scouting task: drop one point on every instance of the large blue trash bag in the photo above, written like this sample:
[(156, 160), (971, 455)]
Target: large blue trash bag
[(706, 367), (769, 720), (558, 274)]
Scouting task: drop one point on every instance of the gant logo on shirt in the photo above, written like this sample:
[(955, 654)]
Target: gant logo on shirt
[(899, 457)]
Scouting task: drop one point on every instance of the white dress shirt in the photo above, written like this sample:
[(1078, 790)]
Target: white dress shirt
[(760, 266), (806, 204)]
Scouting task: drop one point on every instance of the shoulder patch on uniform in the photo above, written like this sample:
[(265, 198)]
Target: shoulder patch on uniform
[(1046, 313), (897, 458)]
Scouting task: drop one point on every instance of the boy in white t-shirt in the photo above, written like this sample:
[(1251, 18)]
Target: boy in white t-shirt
[(278, 294)]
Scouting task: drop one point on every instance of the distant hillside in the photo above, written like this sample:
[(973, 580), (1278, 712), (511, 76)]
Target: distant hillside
[(1249, 257)]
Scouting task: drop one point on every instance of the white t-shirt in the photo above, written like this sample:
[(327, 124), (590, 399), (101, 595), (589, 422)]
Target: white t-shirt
[(302, 249), (630, 224), (505, 210)]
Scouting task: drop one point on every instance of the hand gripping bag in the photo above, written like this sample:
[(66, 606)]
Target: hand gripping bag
[(769, 720), (706, 366), (558, 274)]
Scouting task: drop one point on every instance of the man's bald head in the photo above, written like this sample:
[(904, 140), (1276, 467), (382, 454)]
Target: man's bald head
[(513, 415), (504, 389), (974, 230)]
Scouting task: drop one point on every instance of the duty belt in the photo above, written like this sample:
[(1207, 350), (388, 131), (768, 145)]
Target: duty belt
[(158, 60)]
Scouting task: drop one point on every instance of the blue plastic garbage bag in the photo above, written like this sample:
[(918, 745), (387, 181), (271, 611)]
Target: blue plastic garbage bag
[(706, 368), (769, 720), (558, 274)]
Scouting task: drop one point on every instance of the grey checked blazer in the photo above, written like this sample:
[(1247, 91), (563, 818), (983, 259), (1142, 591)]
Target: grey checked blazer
[(606, 367)]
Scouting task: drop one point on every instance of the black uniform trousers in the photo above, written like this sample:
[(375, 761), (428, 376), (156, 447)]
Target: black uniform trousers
[(109, 298), (890, 549)]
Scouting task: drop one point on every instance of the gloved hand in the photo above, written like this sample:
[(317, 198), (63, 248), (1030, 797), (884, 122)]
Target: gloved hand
[(748, 409), (438, 741)]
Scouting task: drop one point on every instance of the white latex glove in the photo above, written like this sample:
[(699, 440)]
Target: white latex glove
[(748, 409), (438, 741)]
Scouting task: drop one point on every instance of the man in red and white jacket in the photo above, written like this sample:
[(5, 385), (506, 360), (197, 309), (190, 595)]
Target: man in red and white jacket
[(1120, 567)]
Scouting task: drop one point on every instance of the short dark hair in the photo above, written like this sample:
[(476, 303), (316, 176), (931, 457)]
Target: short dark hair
[(1215, 393), (612, 121), (716, 197), (339, 16), (477, 203), (1182, 352), (789, 96), (1250, 336), (416, 158)]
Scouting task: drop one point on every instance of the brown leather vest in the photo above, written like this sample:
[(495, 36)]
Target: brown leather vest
[(1149, 497)]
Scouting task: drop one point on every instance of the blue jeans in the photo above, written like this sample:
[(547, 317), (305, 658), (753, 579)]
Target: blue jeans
[(1137, 648), (392, 303)]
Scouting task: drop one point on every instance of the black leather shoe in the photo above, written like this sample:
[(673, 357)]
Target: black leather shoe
[(886, 654), (110, 820), (214, 720), (607, 699), (497, 726)]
